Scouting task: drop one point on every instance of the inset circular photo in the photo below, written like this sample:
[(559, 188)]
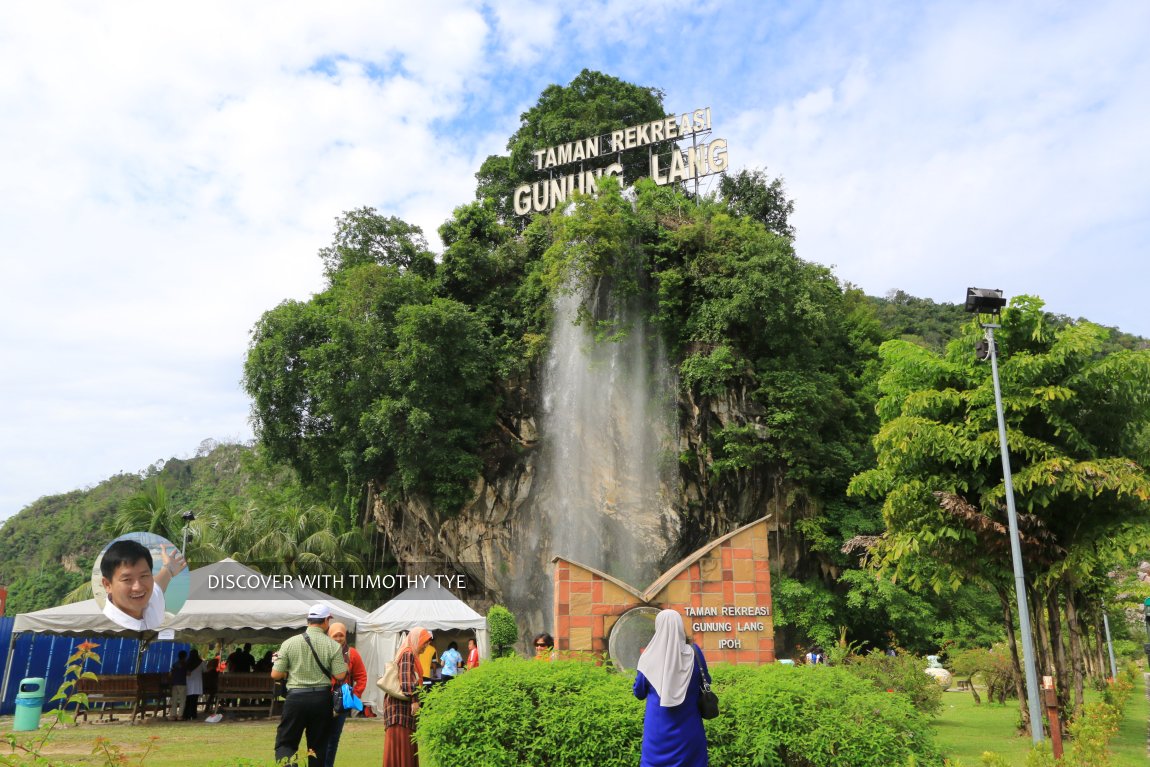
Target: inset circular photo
[(139, 580)]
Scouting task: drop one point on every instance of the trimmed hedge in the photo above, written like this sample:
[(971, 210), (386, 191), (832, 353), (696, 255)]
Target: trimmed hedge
[(514, 712), (814, 716)]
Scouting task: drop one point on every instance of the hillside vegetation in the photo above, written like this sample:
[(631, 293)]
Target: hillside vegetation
[(48, 548)]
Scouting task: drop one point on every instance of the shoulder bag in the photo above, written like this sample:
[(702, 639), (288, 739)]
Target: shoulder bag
[(390, 682), (336, 692), (708, 700)]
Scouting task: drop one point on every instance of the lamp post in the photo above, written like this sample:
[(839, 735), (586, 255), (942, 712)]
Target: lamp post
[(986, 301), (188, 518)]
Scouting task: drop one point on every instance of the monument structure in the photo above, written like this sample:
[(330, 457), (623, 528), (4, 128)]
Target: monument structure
[(723, 590)]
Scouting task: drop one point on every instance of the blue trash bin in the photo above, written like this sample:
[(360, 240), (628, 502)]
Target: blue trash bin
[(29, 704)]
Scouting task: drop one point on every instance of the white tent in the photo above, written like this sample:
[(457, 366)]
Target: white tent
[(79, 618), (228, 599), (432, 607)]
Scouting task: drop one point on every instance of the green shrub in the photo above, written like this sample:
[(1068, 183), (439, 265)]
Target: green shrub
[(513, 712), (1090, 735), (991, 759), (813, 716), (574, 714), (504, 630), (902, 673)]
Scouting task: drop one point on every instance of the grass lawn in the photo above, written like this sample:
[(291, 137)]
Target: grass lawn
[(965, 730), (180, 744)]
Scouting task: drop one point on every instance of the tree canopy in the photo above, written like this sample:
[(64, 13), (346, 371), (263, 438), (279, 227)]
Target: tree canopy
[(592, 104), (1076, 424)]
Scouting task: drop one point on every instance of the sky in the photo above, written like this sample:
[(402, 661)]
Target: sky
[(168, 171)]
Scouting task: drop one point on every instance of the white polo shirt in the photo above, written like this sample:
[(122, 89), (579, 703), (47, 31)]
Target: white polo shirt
[(153, 613)]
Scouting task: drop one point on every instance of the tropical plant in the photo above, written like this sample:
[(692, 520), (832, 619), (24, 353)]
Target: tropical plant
[(149, 511), (1076, 424)]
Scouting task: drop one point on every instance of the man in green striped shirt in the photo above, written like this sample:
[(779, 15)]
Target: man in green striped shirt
[(308, 705)]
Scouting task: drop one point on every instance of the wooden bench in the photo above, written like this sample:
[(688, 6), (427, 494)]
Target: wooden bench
[(107, 692), (153, 690), (249, 692), (139, 691)]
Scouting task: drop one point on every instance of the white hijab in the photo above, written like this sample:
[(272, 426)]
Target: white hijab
[(668, 661)]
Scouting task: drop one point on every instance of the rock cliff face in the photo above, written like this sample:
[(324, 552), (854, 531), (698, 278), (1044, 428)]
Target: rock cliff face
[(503, 543)]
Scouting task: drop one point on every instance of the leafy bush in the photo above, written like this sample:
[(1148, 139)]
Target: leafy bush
[(517, 712), (810, 716), (504, 629), (1092, 731), (902, 673)]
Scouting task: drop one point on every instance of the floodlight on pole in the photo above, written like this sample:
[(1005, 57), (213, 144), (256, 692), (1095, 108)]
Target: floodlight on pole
[(989, 301), (188, 518)]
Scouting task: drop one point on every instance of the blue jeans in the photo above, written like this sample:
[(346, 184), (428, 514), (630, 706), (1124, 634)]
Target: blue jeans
[(333, 734)]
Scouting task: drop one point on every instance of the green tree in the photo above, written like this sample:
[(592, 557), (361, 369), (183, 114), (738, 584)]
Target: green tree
[(363, 236), (504, 629), (751, 194), (376, 379), (437, 404), (149, 511), (1074, 420), (41, 588), (591, 105)]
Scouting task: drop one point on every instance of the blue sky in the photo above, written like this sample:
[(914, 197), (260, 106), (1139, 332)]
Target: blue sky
[(168, 171)]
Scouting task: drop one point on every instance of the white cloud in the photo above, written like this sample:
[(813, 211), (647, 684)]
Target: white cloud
[(975, 154)]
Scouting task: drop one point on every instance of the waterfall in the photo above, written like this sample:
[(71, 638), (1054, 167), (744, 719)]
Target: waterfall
[(609, 441)]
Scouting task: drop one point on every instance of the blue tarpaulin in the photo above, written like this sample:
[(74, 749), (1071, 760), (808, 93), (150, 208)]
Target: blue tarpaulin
[(46, 655)]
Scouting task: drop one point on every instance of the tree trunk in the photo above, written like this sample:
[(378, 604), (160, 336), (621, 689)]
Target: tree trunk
[(1058, 645), (1012, 642), (1043, 652), (1077, 658), (1103, 667)]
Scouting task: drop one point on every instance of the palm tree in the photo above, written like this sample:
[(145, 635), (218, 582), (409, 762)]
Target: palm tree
[(149, 511)]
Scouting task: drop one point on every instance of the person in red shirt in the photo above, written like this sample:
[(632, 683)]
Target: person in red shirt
[(356, 677), (472, 654)]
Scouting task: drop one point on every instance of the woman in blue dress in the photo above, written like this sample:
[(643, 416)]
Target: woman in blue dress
[(669, 680)]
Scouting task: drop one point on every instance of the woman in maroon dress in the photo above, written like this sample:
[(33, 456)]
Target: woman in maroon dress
[(399, 715)]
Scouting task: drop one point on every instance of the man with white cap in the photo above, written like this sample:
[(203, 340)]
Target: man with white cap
[(308, 662)]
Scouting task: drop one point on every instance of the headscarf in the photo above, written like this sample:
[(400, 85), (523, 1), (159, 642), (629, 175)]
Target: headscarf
[(668, 661), (417, 636)]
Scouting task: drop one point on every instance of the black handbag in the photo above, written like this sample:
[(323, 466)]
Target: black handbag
[(337, 692), (708, 700)]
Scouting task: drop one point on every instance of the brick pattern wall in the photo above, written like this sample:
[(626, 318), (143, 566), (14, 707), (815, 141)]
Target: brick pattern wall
[(726, 577)]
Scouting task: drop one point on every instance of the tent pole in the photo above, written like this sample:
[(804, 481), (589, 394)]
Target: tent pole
[(141, 648), (7, 668)]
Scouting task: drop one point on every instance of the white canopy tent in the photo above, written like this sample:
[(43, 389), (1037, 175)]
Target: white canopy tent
[(260, 611), (257, 612), (432, 607), (79, 618)]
